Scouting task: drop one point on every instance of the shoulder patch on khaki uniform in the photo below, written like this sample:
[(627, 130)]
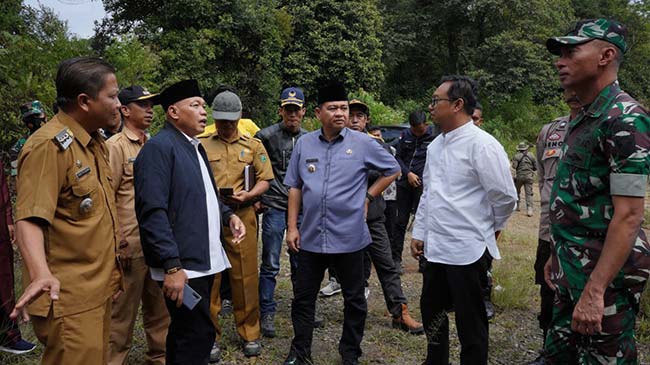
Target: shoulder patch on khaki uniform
[(63, 139)]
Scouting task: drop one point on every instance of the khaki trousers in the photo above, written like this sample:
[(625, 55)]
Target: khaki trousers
[(138, 287), (80, 338), (244, 280)]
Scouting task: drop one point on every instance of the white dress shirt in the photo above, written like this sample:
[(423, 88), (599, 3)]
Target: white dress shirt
[(468, 194), (218, 259)]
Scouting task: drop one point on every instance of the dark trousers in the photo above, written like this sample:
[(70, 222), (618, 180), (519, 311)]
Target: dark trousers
[(408, 199), (546, 293), (9, 332), (391, 221), (378, 253), (191, 333), (459, 286), (225, 290), (486, 280), (310, 271)]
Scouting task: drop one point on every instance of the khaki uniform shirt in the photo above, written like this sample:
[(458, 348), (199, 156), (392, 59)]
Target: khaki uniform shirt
[(68, 185), (229, 158), (124, 147), (549, 149)]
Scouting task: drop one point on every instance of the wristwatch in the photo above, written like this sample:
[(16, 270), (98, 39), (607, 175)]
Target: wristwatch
[(173, 270), (369, 197)]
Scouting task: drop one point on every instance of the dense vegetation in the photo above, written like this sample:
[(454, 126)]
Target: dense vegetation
[(391, 52)]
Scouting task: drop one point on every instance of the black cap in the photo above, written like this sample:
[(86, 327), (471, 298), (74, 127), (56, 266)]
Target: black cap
[(136, 93), (179, 91), (332, 91)]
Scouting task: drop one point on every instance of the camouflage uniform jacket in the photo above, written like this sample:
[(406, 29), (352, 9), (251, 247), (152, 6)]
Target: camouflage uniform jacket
[(524, 165), (549, 148), (605, 153)]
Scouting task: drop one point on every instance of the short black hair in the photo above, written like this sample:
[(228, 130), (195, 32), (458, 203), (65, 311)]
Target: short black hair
[(478, 106), (417, 117), (462, 87), (80, 75), (372, 128)]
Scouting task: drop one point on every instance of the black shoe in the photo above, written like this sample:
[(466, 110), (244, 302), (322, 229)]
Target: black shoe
[(215, 353), (350, 362), (489, 309), (267, 325), (252, 348), (319, 322), (226, 307), (539, 360), (294, 359)]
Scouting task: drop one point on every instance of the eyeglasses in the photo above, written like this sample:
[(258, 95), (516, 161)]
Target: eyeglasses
[(435, 101)]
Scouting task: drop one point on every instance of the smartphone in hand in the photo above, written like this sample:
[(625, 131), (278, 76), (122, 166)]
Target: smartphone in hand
[(190, 297)]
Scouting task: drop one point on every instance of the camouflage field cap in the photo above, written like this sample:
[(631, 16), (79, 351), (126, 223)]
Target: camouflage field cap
[(30, 109), (586, 30), (522, 146)]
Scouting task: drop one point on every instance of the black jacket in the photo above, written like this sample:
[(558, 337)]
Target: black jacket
[(377, 207), (170, 202), (412, 151), (279, 144)]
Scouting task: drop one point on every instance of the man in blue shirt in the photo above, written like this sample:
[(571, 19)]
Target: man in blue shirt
[(328, 175)]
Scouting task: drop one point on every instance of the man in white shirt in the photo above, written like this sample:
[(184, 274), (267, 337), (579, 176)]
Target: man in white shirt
[(468, 196)]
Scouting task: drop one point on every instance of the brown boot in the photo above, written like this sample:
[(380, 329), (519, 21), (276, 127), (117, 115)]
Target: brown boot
[(406, 323)]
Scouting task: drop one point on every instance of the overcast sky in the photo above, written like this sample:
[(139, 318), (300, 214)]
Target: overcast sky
[(80, 14)]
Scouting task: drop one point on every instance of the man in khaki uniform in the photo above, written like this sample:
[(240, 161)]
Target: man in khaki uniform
[(67, 221), (230, 153), (137, 113)]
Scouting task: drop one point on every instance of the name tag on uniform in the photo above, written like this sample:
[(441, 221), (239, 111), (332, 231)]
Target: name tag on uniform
[(82, 172)]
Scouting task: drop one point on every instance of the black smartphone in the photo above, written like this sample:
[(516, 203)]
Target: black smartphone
[(190, 297), (226, 191)]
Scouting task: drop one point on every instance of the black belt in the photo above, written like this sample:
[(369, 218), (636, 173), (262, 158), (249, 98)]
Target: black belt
[(593, 234)]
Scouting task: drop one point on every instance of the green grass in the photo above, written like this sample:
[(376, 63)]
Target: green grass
[(513, 274)]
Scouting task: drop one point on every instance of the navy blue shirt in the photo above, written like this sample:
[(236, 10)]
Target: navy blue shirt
[(333, 177), (411, 151)]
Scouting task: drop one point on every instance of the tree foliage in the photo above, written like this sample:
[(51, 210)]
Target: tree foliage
[(238, 43), (33, 42), (392, 52), (333, 41)]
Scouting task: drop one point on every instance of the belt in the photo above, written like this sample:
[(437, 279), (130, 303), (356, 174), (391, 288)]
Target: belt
[(594, 234)]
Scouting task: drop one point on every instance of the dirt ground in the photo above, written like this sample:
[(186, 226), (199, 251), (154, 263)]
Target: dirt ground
[(514, 334)]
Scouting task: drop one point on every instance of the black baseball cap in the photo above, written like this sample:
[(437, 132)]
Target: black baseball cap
[(136, 93)]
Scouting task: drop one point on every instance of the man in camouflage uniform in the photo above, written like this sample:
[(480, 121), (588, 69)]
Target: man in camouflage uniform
[(549, 147), (524, 166), (601, 257), (33, 116)]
